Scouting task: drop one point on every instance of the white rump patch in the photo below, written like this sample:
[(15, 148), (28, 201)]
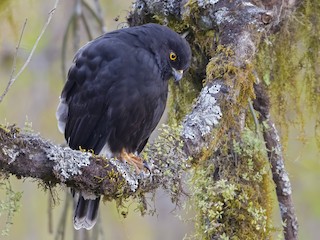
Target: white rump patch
[(88, 195), (106, 152), (62, 114)]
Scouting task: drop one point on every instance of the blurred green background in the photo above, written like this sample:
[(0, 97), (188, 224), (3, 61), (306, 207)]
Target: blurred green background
[(34, 97)]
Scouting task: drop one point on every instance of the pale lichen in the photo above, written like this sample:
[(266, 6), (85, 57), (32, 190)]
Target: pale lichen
[(204, 119), (68, 162), (245, 48), (12, 152), (204, 3), (127, 173), (283, 208), (161, 8), (280, 168), (223, 15)]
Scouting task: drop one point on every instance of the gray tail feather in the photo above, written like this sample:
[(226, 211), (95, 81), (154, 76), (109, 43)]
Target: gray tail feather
[(85, 213)]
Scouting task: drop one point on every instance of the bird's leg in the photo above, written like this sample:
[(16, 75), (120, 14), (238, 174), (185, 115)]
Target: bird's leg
[(134, 160)]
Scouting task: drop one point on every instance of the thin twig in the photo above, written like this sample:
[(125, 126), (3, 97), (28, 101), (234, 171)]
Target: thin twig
[(64, 48), (49, 211), (61, 231), (100, 16), (73, 21), (14, 62), (96, 16), (14, 78), (86, 26), (51, 203), (254, 116), (76, 25)]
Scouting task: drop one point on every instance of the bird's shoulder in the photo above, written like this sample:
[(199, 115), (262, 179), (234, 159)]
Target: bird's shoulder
[(111, 60)]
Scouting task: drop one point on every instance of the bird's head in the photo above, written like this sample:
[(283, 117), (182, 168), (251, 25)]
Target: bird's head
[(172, 51), (179, 56)]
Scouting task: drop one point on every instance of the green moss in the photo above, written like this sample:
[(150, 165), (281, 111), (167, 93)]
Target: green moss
[(232, 197), (8, 206), (288, 63), (168, 152), (9, 129)]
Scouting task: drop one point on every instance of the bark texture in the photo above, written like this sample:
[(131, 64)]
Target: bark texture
[(279, 173), (26, 154)]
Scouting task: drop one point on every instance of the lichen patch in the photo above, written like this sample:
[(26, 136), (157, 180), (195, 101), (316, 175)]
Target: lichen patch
[(126, 173), (68, 162)]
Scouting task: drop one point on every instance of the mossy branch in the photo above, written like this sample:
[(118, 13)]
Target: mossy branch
[(279, 173), (29, 155)]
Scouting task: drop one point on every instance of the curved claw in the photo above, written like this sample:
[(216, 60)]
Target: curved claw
[(146, 166), (135, 161)]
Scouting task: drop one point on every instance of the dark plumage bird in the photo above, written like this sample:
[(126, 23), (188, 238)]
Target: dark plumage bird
[(115, 95)]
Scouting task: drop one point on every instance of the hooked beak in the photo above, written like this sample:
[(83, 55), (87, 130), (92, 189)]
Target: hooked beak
[(177, 74)]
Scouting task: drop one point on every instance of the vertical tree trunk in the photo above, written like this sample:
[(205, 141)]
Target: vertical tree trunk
[(231, 184)]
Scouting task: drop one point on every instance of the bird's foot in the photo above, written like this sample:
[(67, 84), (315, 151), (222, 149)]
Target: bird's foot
[(137, 162)]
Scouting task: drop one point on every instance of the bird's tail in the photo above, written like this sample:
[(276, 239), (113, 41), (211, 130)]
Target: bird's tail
[(85, 212)]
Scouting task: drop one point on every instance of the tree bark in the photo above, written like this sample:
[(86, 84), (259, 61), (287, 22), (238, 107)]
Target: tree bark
[(26, 154), (279, 173)]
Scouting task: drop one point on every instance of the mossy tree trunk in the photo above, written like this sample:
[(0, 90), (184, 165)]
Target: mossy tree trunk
[(231, 181)]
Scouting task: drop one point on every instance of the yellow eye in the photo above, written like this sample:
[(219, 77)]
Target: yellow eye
[(173, 56)]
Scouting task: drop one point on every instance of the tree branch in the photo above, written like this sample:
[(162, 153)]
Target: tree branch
[(29, 155), (279, 173)]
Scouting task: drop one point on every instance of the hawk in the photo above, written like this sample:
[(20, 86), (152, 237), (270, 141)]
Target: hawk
[(115, 95)]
